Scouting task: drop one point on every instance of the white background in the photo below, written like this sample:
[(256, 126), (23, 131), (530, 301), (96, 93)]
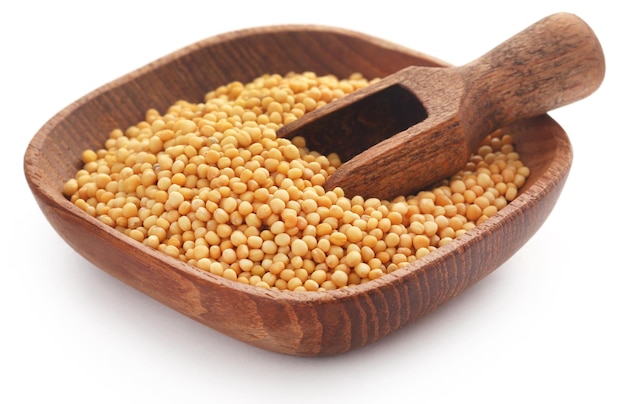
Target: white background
[(545, 327)]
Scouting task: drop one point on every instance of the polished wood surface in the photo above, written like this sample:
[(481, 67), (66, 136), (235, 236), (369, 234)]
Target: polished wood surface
[(302, 324)]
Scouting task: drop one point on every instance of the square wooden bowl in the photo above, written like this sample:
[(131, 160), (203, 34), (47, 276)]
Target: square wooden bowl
[(303, 324)]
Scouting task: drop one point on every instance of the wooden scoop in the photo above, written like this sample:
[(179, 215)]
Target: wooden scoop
[(421, 124)]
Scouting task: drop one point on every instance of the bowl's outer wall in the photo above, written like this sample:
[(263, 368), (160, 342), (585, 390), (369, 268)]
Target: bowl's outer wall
[(303, 324)]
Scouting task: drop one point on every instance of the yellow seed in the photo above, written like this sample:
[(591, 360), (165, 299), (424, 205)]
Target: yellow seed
[(174, 200), (70, 187), (294, 283), (299, 248), (511, 193), (89, 156), (136, 235), (229, 273), (353, 258), (311, 285), (291, 152), (392, 239), (338, 239), (421, 241), (354, 234), (473, 212), (282, 239), (339, 278)]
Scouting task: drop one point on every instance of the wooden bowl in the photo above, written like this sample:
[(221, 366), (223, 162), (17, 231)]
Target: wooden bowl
[(302, 324)]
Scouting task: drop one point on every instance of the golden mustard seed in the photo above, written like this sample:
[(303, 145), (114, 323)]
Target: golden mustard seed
[(212, 185)]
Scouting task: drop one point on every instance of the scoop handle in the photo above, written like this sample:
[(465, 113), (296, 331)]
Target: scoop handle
[(554, 62)]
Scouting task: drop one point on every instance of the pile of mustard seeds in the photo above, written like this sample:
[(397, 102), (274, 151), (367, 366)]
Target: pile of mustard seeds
[(211, 184)]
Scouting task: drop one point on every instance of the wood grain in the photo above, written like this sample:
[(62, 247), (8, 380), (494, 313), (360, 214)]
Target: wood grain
[(421, 124), (302, 324)]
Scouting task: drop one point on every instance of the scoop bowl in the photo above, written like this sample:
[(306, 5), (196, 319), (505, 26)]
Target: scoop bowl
[(300, 324)]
